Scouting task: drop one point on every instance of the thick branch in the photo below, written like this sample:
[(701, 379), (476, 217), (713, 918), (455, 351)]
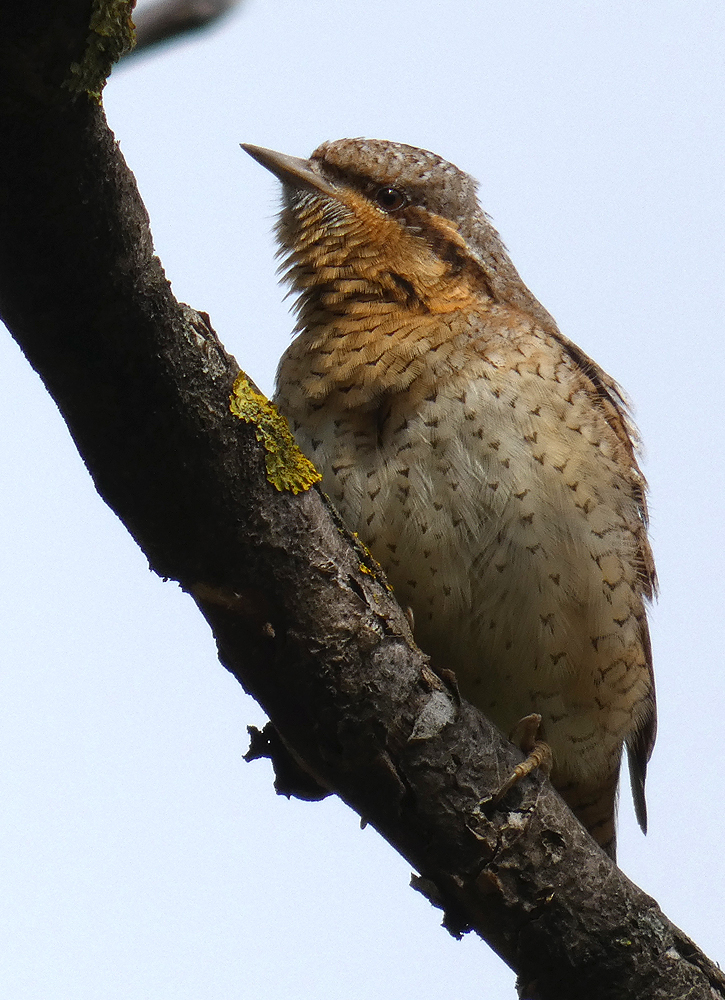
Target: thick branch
[(299, 616)]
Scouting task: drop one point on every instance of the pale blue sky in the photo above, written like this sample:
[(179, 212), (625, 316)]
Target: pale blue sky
[(141, 858)]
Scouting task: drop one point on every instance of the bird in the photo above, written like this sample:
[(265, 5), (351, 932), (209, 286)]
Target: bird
[(489, 465)]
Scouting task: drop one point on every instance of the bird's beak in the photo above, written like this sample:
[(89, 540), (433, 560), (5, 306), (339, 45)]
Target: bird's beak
[(292, 170)]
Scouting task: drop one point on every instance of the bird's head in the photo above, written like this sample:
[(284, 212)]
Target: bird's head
[(368, 224)]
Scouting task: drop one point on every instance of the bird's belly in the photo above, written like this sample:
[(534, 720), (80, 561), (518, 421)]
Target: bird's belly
[(511, 583)]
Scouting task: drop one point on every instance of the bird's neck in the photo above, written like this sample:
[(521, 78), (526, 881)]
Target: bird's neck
[(369, 331), (377, 316)]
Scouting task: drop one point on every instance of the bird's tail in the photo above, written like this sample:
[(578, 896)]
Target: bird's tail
[(595, 806)]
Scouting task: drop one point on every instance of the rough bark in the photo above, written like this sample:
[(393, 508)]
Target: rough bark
[(300, 615)]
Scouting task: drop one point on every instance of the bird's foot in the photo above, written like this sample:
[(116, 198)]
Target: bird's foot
[(525, 735)]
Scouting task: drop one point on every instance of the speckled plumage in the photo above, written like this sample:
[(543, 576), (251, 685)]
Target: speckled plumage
[(485, 460)]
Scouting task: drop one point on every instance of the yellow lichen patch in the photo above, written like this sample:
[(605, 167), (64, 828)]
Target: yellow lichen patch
[(376, 572), (369, 564), (111, 34), (287, 467)]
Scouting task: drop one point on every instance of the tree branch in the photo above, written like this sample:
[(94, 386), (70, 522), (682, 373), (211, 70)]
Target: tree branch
[(166, 19), (301, 616)]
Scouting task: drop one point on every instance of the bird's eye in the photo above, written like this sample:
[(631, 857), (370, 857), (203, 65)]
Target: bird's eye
[(390, 199)]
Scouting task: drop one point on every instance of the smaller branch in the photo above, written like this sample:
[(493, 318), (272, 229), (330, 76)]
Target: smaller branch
[(290, 779), (167, 19)]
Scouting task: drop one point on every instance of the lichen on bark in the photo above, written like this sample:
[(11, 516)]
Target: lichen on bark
[(287, 468)]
